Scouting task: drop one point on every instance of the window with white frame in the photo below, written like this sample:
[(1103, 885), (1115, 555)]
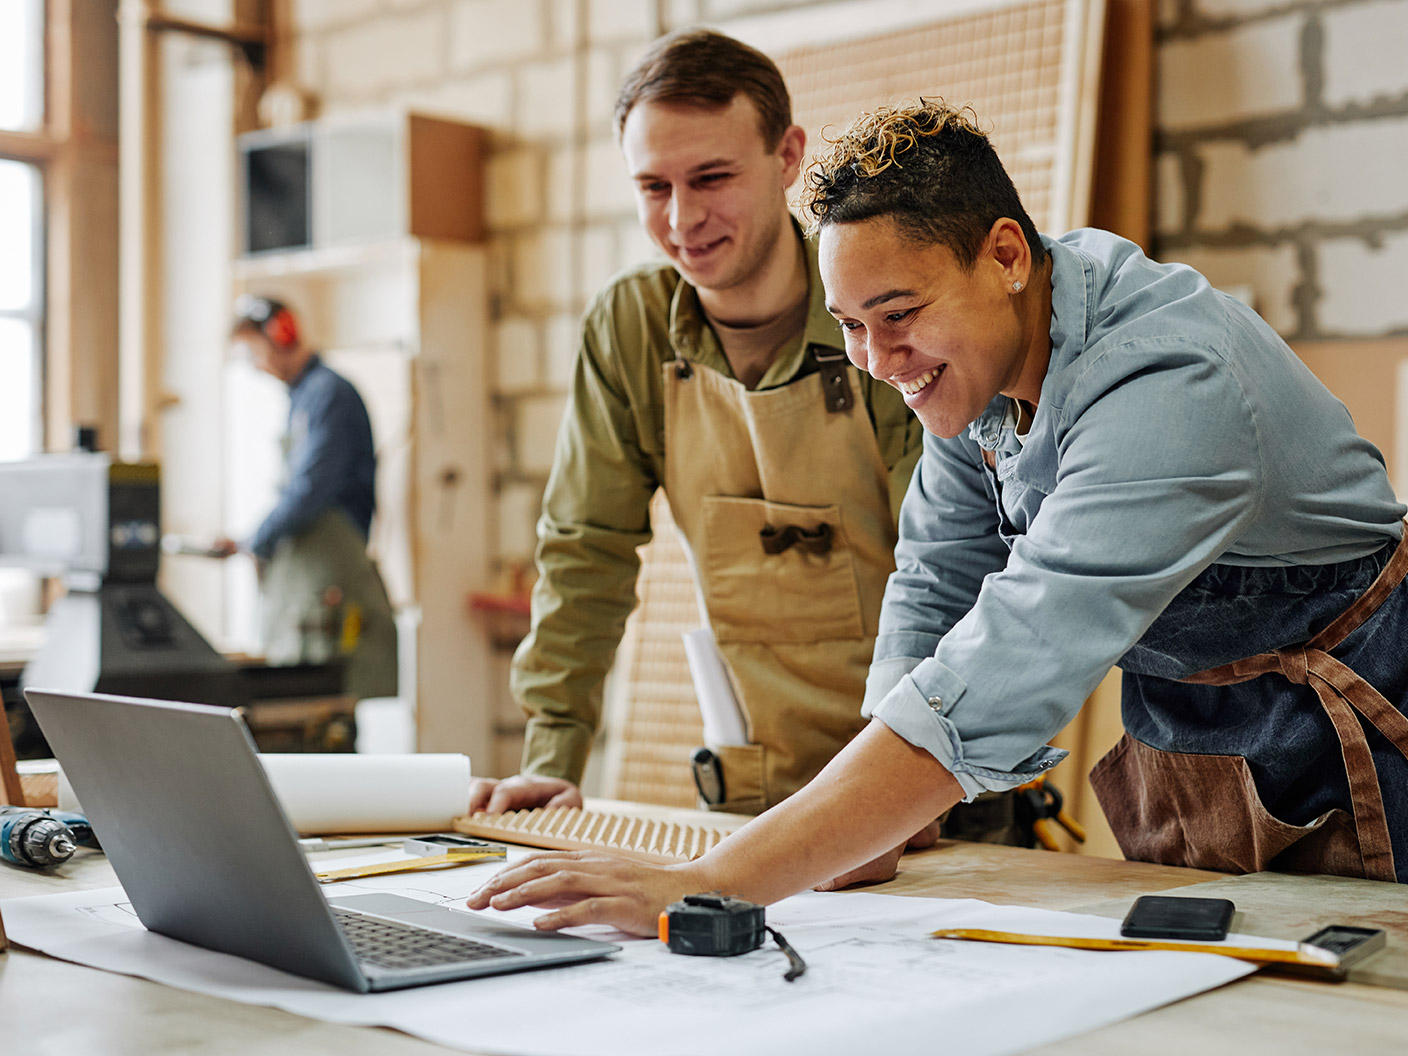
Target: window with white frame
[(21, 218)]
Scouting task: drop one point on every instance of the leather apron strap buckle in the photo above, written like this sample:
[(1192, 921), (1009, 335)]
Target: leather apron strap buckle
[(777, 541), (835, 386)]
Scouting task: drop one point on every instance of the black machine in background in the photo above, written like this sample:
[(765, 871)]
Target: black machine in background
[(114, 631), (95, 524)]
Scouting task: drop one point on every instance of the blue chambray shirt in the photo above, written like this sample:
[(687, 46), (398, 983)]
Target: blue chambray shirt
[(1175, 429), (331, 461)]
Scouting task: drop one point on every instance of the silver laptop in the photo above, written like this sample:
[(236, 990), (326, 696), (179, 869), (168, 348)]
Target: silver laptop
[(193, 830)]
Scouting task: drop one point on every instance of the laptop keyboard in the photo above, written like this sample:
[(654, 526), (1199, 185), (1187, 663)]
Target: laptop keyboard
[(388, 944)]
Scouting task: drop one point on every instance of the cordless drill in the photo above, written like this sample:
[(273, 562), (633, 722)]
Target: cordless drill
[(40, 838)]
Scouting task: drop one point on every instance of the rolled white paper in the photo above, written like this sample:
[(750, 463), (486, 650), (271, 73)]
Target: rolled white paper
[(369, 793), (723, 719)]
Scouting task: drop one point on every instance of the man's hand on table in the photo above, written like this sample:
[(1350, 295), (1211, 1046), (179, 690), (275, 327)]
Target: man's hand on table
[(522, 792)]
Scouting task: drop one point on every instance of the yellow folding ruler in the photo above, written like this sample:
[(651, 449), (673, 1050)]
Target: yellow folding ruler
[(423, 848)]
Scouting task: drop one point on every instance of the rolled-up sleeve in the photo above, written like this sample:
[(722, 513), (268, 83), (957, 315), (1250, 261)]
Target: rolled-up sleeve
[(985, 653)]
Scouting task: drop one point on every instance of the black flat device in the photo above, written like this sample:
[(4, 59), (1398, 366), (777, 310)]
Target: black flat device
[(1172, 917)]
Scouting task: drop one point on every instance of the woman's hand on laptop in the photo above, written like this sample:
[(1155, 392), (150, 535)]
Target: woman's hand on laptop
[(590, 887), (522, 792)]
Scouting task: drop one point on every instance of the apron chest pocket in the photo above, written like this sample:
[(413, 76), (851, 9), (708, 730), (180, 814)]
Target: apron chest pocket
[(775, 572)]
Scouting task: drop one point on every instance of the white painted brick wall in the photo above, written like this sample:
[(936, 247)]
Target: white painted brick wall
[(502, 449), (542, 269), (537, 421), (712, 10), (680, 13), (492, 32), (1366, 52), (517, 345), (1216, 79), (1272, 274), (604, 74), (519, 506), (545, 94), (505, 709), (632, 53), (635, 246), (614, 20), (309, 69), (1220, 9), (1335, 173), (564, 335), (598, 260), (561, 183), (1169, 212), (368, 59), (486, 99), (562, 25), (608, 187), (1363, 286), (323, 14), (514, 189)]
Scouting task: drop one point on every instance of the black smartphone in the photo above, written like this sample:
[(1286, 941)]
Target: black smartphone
[(1171, 917)]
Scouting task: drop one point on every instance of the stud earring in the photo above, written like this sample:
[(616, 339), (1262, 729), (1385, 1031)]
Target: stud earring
[(1016, 287)]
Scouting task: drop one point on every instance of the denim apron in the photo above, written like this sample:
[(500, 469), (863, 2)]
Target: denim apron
[(1264, 723)]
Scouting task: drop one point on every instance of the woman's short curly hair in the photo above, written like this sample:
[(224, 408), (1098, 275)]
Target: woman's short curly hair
[(928, 166)]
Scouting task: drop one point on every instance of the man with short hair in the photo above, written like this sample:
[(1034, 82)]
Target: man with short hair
[(321, 595), (719, 376)]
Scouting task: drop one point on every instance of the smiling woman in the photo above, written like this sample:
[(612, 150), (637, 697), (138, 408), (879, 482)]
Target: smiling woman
[(926, 272)]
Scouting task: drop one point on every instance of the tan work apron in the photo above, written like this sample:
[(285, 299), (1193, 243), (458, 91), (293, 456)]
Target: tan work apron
[(785, 512), (303, 623), (1204, 810)]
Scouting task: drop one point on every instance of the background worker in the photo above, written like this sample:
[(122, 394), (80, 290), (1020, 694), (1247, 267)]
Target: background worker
[(719, 376), (321, 594), (1123, 465)]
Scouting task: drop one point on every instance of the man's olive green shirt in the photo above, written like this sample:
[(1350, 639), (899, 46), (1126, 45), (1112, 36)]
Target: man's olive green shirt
[(609, 459)]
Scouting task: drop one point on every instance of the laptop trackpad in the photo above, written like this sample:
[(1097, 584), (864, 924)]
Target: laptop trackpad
[(442, 918)]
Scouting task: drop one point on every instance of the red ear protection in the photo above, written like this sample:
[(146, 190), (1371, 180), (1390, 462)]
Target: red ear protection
[(282, 328)]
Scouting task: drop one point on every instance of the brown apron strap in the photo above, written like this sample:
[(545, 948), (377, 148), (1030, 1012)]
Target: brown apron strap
[(1343, 692), (835, 385), (1370, 817), (1368, 602)]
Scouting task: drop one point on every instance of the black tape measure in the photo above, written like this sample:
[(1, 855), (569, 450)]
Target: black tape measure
[(715, 925)]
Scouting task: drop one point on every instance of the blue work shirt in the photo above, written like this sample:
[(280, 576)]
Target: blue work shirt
[(1175, 430), (331, 463)]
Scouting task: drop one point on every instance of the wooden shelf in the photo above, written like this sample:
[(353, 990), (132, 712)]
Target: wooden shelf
[(518, 604), (286, 263)]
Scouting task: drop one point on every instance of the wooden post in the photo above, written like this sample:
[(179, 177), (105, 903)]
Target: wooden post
[(9, 771)]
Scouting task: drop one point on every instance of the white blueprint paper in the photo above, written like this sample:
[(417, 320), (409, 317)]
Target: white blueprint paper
[(873, 973)]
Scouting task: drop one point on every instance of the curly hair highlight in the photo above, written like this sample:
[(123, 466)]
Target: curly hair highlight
[(926, 165)]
